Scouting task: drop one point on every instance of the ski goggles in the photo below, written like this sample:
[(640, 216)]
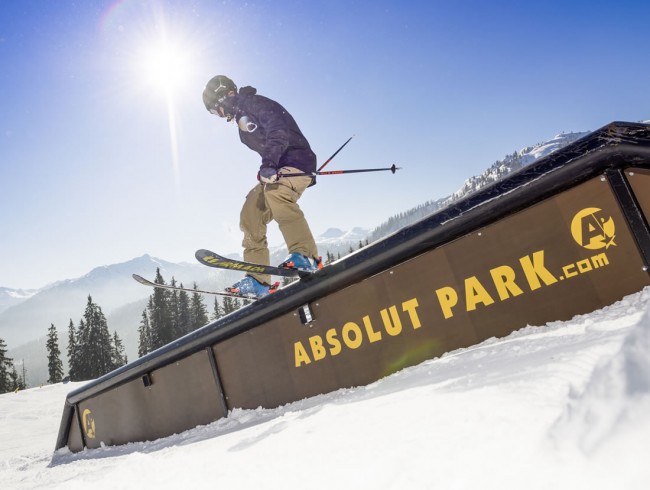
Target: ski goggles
[(218, 111)]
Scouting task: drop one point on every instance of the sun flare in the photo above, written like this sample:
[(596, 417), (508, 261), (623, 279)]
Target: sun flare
[(163, 68), (164, 64)]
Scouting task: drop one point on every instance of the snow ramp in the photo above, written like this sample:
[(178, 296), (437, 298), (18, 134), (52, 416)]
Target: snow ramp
[(564, 236)]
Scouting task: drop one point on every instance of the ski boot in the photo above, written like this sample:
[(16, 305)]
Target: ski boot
[(251, 287), (302, 263)]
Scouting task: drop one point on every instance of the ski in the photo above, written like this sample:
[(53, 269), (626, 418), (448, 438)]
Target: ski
[(147, 282), (211, 259)]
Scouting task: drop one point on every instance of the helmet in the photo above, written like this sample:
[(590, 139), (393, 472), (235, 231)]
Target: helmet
[(216, 90)]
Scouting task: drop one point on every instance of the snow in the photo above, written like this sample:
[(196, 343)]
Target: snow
[(20, 294), (529, 155), (563, 406)]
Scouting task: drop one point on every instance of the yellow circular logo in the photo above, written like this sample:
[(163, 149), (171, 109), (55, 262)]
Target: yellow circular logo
[(88, 423), (591, 228)]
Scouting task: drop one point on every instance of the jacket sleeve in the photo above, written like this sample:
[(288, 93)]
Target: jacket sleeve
[(271, 117)]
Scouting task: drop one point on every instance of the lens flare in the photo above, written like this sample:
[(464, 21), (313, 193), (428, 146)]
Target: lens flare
[(164, 64)]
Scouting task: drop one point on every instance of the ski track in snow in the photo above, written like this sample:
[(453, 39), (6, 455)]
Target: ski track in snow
[(566, 405)]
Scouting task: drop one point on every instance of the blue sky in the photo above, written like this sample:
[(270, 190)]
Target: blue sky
[(107, 152)]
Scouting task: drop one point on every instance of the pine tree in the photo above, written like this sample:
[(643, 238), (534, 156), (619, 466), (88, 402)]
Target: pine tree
[(144, 331), (229, 305), (198, 311), (95, 346), (184, 321), (82, 361), (22, 382), (216, 311), (16, 382), (119, 357), (162, 331), (236, 303), (73, 353), (6, 364), (54, 364), (174, 310)]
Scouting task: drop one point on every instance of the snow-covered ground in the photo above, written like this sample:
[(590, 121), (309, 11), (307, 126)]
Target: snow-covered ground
[(561, 406)]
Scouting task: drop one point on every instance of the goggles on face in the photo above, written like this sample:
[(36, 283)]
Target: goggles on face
[(217, 112), (222, 111)]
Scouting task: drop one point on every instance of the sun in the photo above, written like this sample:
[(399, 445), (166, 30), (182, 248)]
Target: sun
[(163, 69), (164, 64)]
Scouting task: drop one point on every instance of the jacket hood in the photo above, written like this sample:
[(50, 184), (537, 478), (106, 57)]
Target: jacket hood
[(248, 90)]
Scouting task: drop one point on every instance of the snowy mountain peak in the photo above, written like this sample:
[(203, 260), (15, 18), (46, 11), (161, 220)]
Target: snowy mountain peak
[(18, 293), (540, 150), (335, 235), (10, 297), (332, 233), (144, 262)]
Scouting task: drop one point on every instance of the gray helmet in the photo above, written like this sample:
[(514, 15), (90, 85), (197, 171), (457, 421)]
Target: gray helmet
[(216, 91)]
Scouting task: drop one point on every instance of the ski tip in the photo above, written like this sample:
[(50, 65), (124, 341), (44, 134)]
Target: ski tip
[(140, 279), (203, 252)]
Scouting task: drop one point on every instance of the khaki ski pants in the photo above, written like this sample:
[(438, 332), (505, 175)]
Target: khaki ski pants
[(279, 202)]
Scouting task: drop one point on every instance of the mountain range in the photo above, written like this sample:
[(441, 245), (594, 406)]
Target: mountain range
[(25, 315)]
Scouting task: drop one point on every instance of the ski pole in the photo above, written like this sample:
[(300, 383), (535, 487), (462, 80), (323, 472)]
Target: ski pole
[(335, 153), (393, 169)]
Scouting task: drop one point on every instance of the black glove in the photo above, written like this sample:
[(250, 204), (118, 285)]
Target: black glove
[(268, 175)]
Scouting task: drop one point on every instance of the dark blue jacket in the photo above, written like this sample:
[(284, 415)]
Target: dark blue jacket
[(276, 136)]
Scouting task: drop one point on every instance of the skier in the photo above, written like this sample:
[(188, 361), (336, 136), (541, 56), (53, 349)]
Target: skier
[(267, 128)]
